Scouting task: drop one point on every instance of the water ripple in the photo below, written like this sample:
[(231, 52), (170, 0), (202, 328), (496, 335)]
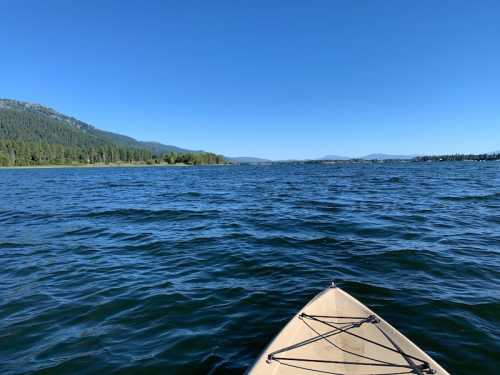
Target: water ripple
[(194, 270)]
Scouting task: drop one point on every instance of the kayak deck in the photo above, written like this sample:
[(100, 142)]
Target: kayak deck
[(336, 334)]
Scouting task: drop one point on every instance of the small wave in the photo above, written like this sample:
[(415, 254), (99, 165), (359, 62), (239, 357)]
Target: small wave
[(12, 245), (487, 310), (81, 231), (366, 289), (414, 218), (394, 180), (188, 194), (324, 241), (132, 236), (123, 184), (135, 214), (408, 259), (493, 219), (25, 216), (479, 197), (193, 194), (324, 206), (150, 247)]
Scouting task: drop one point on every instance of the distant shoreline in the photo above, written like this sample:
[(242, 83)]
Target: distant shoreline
[(110, 165), (159, 165)]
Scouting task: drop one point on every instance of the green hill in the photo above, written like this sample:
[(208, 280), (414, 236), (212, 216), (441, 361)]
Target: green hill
[(31, 134)]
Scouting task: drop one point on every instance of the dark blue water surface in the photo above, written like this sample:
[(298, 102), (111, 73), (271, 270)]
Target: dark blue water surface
[(193, 270)]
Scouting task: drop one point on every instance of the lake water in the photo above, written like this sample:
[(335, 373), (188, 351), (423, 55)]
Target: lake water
[(193, 270)]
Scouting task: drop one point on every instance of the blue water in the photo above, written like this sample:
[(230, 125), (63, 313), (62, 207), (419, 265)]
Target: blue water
[(193, 270)]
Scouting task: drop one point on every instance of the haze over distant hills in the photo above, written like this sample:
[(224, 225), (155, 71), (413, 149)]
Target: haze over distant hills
[(247, 159), (387, 157), (250, 159), (370, 157), (334, 157)]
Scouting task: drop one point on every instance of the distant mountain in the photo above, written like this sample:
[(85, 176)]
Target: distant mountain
[(335, 157), (32, 134), (369, 157), (247, 159), (387, 157)]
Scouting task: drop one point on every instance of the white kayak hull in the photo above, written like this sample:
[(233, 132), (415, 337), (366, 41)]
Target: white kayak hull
[(336, 334)]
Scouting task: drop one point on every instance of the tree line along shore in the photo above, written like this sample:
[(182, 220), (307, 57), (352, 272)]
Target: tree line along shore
[(20, 153), (33, 135), (460, 157)]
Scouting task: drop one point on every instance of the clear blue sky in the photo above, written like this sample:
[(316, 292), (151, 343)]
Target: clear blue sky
[(275, 79)]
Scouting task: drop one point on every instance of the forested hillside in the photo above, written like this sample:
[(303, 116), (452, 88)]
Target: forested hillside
[(31, 134)]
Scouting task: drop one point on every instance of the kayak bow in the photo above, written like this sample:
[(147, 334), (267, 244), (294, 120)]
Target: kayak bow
[(336, 334)]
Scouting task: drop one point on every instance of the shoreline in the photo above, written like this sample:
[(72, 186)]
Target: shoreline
[(110, 165)]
